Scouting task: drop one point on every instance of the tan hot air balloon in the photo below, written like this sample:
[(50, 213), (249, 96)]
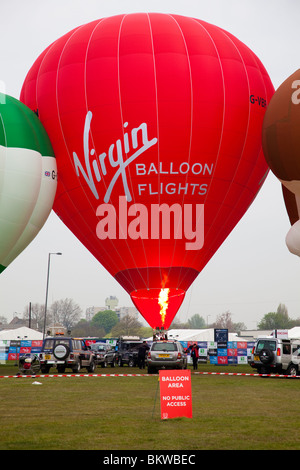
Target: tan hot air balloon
[(281, 145)]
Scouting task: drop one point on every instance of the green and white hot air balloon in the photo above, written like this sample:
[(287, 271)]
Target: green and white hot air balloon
[(28, 178)]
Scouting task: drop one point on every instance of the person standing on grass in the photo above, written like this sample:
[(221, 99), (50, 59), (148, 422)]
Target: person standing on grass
[(143, 349), (195, 355)]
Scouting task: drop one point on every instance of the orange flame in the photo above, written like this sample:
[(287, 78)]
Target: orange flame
[(163, 301)]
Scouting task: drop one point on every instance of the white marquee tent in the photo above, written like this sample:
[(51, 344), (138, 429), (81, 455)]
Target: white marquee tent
[(294, 332), (21, 334), (198, 335)]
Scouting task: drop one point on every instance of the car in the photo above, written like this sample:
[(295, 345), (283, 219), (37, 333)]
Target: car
[(127, 350), (166, 354), (104, 354), (64, 352), (276, 355)]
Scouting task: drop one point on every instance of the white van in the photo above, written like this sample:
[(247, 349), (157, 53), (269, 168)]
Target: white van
[(276, 355)]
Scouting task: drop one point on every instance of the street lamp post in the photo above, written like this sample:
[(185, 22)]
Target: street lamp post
[(45, 313)]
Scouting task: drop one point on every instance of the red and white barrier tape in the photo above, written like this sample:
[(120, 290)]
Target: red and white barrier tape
[(145, 375), (250, 375), (69, 375)]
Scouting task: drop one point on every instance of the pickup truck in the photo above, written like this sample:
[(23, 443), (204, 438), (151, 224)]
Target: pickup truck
[(127, 350), (104, 354)]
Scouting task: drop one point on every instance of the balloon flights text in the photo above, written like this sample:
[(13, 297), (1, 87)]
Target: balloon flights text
[(157, 142)]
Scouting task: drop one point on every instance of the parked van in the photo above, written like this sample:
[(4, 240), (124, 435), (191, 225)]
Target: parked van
[(276, 355)]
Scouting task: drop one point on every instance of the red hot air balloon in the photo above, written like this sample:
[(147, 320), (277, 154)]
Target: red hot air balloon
[(281, 144), (155, 121)]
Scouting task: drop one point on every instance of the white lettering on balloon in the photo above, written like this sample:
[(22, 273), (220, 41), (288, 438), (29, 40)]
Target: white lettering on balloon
[(159, 221), (295, 94), (114, 155)]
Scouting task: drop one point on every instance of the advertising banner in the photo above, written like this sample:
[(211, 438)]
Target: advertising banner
[(202, 355), (242, 360), (232, 360), (221, 335), (175, 393), (222, 360), (232, 352)]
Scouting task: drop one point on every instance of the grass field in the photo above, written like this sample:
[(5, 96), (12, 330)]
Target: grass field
[(119, 413)]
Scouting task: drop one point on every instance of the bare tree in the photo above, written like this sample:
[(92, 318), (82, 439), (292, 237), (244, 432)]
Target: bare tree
[(66, 312), (224, 321), (127, 326), (37, 316)]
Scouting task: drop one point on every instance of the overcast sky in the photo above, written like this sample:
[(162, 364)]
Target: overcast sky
[(253, 271)]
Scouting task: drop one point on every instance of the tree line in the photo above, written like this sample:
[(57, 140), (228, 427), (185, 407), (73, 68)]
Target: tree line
[(68, 314), (270, 321), (278, 320)]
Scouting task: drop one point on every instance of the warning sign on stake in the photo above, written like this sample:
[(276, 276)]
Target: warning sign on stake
[(175, 393)]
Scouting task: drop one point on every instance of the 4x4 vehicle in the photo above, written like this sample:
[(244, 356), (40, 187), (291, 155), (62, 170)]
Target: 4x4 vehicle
[(167, 354), (62, 352), (104, 354), (272, 354), (127, 350)]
